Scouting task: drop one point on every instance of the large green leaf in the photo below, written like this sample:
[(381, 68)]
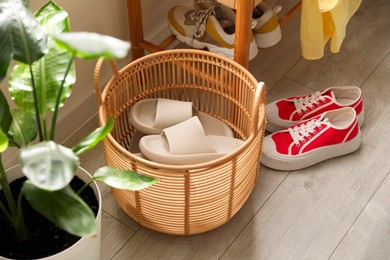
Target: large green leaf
[(23, 128), (3, 141), (48, 165), (94, 138), (123, 179), (5, 46), (28, 37), (92, 45), (49, 71), (5, 114), (63, 207)]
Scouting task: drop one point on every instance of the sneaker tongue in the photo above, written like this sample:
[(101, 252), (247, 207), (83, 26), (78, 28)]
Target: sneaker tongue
[(324, 120), (329, 94), (227, 25), (219, 14), (321, 118)]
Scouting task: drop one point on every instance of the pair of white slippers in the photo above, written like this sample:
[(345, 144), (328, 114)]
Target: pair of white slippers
[(178, 134)]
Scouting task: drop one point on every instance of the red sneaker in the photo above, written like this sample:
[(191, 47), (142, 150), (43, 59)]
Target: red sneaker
[(290, 111), (331, 134)]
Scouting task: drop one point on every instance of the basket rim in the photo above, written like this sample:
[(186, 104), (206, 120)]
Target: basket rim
[(219, 161)]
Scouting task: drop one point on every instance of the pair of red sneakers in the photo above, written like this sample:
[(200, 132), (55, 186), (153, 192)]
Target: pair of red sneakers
[(313, 128)]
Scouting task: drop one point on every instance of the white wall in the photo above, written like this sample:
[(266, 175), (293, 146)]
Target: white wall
[(110, 18)]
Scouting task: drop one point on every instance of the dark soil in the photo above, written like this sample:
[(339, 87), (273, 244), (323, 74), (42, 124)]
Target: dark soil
[(45, 238)]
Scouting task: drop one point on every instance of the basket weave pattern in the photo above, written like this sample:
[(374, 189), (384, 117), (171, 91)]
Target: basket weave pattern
[(189, 199)]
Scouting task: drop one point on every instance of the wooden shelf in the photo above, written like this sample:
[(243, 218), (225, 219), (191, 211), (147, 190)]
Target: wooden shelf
[(243, 29)]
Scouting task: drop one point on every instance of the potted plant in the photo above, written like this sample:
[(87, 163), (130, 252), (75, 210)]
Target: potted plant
[(39, 85)]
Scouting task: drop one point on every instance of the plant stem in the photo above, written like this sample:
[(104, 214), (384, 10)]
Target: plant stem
[(44, 128), (57, 105), (85, 186), (7, 190), (6, 213), (36, 104), (20, 227)]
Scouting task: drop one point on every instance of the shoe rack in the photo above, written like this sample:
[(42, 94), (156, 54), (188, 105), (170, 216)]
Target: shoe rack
[(243, 28)]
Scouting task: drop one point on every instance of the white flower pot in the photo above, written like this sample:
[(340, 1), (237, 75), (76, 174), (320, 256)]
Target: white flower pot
[(87, 248)]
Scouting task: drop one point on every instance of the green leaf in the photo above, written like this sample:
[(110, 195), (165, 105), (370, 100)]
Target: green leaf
[(49, 165), (5, 114), (28, 37), (49, 71), (5, 46), (3, 141), (123, 179), (94, 138), (23, 128), (62, 207), (93, 45), (53, 17)]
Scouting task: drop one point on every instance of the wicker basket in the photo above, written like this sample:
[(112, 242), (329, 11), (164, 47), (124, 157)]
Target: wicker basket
[(189, 199)]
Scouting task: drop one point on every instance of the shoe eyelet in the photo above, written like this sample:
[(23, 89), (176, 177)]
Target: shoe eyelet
[(312, 107), (303, 141), (314, 132), (306, 111), (297, 145), (320, 127), (300, 113), (309, 136)]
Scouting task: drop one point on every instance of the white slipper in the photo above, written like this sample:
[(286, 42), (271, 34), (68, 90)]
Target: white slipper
[(150, 116), (186, 143)]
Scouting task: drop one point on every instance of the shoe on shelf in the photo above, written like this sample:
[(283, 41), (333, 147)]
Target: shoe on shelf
[(266, 29), (212, 28), (286, 112), (331, 134)]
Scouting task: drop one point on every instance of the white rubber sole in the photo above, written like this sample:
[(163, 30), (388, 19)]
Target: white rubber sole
[(291, 163), (212, 48), (269, 39), (273, 126)]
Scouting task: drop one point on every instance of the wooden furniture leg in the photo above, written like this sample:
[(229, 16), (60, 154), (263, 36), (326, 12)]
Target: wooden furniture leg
[(135, 26), (244, 11)]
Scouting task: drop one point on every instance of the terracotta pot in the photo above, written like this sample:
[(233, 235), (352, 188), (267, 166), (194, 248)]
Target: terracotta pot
[(87, 248)]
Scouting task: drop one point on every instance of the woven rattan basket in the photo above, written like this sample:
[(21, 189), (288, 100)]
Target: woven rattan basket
[(189, 199)]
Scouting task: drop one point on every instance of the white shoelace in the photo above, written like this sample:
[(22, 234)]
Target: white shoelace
[(201, 15), (298, 133), (301, 104)]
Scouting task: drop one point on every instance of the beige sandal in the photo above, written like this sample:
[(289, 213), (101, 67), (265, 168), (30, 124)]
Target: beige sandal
[(150, 116), (187, 143)]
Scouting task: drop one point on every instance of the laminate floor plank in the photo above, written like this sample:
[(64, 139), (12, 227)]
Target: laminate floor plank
[(114, 236), (369, 237)]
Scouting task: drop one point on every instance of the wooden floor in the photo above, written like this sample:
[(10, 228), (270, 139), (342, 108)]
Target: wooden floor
[(338, 209)]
